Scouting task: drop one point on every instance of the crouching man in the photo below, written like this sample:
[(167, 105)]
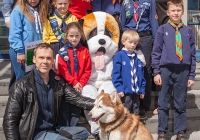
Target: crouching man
[(34, 103)]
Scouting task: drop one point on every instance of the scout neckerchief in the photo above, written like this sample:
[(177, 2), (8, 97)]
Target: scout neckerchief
[(134, 79), (178, 39), (59, 31), (36, 18), (64, 54)]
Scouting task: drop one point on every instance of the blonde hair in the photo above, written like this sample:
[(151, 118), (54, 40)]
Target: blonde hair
[(70, 2), (42, 10), (76, 26), (130, 34), (175, 2)]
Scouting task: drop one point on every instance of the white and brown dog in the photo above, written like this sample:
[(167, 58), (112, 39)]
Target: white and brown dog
[(102, 34), (116, 123)]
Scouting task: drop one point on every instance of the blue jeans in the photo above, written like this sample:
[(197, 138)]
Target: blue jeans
[(78, 133), (19, 69), (174, 80)]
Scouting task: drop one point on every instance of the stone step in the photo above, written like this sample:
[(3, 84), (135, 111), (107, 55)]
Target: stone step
[(191, 135), (2, 136), (196, 83), (193, 120), (193, 100)]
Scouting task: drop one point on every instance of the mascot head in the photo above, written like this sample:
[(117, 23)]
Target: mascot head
[(102, 34)]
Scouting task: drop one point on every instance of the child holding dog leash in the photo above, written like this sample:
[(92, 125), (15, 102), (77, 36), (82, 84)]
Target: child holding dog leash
[(128, 73)]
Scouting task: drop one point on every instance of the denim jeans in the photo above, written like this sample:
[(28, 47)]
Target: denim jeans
[(78, 133), (19, 69)]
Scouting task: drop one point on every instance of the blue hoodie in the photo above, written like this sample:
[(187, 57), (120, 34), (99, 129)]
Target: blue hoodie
[(164, 49), (22, 31)]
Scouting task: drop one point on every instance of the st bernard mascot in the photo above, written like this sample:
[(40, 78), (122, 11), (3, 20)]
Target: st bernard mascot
[(102, 34)]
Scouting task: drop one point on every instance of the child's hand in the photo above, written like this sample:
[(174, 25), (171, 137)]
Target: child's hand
[(158, 80), (190, 83), (78, 87), (21, 59), (141, 96), (121, 94)]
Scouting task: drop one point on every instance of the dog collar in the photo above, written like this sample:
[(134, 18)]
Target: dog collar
[(109, 131)]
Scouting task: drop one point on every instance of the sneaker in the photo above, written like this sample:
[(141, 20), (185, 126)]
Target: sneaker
[(143, 114), (181, 136), (162, 136)]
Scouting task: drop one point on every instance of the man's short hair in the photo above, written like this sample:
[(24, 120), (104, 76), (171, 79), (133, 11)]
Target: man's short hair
[(176, 2), (130, 34), (41, 46)]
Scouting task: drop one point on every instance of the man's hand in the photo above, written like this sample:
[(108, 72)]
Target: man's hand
[(121, 94), (158, 80), (190, 83), (78, 87), (21, 59), (7, 24), (141, 96)]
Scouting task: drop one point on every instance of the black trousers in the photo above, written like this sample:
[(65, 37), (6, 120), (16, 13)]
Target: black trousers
[(146, 45)]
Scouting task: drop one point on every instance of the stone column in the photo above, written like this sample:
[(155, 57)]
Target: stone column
[(185, 16)]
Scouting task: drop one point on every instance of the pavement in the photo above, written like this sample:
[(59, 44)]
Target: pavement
[(4, 81)]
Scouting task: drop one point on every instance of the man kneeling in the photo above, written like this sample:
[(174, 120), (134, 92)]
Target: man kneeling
[(34, 103)]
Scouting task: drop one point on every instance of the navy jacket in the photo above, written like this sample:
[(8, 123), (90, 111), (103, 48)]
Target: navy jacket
[(164, 49), (147, 11), (106, 6)]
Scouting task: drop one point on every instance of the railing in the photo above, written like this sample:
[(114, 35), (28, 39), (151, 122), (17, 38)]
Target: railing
[(194, 23)]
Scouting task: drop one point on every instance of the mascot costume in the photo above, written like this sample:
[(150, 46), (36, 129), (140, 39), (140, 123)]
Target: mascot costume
[(102, 34)]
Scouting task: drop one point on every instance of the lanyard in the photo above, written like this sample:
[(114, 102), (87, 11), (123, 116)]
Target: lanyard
[(136, 16)]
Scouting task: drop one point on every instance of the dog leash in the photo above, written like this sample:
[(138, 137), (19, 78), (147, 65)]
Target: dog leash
[(108, 132)]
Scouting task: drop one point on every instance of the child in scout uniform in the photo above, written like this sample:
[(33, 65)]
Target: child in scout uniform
[(54, 28), (140, 15), (174, 64), (128, 72)]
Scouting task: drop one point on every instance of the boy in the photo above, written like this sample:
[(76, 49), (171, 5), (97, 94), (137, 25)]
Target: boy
[(139, 15), (127, 75), (174, 62)]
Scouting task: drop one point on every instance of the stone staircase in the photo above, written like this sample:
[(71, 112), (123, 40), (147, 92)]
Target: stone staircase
[(193, 107)]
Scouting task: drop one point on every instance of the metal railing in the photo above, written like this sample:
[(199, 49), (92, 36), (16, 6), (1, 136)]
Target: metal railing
[(194, 23)]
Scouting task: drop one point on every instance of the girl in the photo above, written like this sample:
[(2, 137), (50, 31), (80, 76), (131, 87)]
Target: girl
[(25, 26), (73, 62), (55, 27)]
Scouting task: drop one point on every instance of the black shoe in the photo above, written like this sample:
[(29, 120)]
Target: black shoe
[(181, 136), (143, 114), (162, 136)]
